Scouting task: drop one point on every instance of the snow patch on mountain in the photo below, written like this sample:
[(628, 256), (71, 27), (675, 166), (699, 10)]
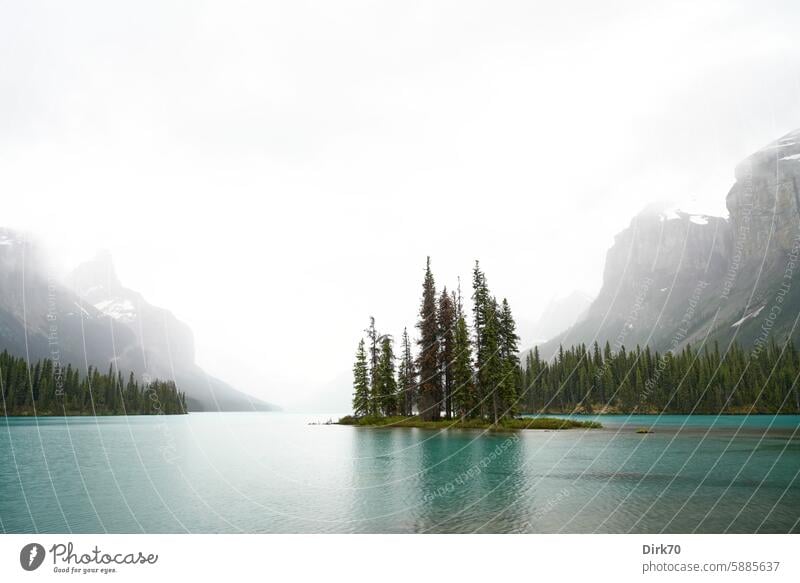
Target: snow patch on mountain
[(82, 309), (119, 309), (746, 317), (677, 214)]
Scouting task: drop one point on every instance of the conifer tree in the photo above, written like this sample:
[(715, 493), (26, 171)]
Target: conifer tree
[(361, 390), (428, 359), (490, 376), (386, 386), (406, 378), (464, 401), (374, 340), (509, 340), (488, 361), (446, 319)]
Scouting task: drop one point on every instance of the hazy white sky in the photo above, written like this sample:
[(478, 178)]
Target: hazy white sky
[(275, 172)]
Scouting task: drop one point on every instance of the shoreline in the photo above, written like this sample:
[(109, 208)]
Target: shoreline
[(516, 424), (78, 414)]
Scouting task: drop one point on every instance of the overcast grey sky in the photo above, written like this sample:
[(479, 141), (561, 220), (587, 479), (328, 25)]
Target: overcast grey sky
[(275, 172)]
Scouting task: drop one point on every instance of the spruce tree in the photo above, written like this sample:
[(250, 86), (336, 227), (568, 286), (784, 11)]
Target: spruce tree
[(406, 378), (361, 390), (464, 401), (446, 318), (428, 359), (386, 386), (482, 309), (490, 375), (509, 340), (374, 350)]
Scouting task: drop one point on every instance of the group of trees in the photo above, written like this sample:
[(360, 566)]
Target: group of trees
[(641, 380), (46, 388), (459, 371)]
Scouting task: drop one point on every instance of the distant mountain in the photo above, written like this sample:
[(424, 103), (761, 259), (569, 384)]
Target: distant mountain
[(673, 278), (92, 319), (558, 315)]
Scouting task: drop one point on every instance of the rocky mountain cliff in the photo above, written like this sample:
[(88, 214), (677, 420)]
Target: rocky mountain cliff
[(673, 278), (92, 319)]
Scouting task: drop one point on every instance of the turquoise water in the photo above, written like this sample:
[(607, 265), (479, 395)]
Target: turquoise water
[(271, 472)]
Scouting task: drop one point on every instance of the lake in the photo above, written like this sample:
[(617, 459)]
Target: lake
[(273, 472)]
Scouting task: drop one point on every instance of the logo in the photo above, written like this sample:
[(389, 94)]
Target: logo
[(31, 556)]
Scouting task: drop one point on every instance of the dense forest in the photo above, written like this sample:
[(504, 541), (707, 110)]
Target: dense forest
[(760, 380), (45, 388), (472, 370)]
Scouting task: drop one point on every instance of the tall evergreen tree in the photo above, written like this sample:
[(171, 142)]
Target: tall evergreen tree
[(446, 319), (361, 389), (386, 386), (374, 340), (406, 378), (428, 360), (481, 309), (507, 331), (464, 401), (490, 375)]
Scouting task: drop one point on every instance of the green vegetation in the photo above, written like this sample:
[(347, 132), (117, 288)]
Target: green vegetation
[(761, 380), (45, 388), (443, 381), (507, 424)]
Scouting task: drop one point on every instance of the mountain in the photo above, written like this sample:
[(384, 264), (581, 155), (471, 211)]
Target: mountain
[(673, 278), (92, 319)]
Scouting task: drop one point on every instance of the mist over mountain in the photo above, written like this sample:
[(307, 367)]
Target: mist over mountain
[(91, 319), (558, 315), (673, 278)]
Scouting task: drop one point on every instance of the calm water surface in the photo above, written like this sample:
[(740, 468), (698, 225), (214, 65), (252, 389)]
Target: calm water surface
[(273, 472)]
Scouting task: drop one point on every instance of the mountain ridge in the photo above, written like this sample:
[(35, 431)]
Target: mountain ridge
[(673, 279), (92, 319)]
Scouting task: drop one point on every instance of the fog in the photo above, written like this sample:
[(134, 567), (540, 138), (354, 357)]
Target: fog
[(277, 172)]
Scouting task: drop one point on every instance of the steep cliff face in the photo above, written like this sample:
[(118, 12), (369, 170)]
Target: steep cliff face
[(761, 292), (92, 319), (676, 278), (658, 269), (763, 203)]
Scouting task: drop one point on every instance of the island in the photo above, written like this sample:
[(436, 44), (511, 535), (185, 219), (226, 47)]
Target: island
[(507, 424)]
